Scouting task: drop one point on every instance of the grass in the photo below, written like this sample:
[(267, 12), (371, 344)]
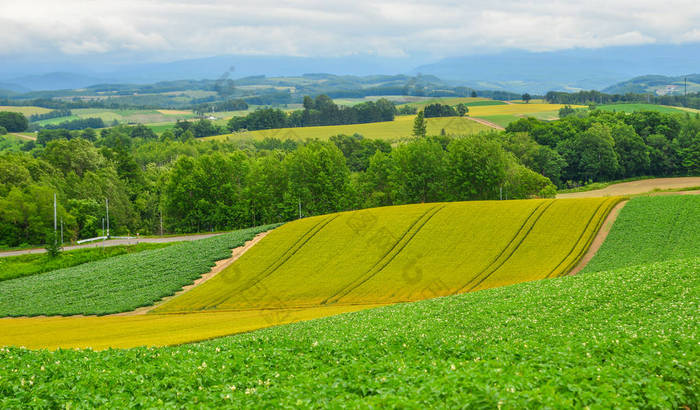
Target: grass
[(401, 127), (502, 120), (663, 228), (12, 267), (26, 110), (625, 338), (123, 116), (118, 284), (404, 253), (640, 107)]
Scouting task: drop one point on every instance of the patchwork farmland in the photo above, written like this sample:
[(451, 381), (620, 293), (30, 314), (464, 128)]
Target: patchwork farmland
[(596, 325), (308, 268)]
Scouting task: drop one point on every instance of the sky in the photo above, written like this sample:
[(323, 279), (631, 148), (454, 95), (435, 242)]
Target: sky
[(169, 30)]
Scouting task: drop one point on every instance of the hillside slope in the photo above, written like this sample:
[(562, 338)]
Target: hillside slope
[(626, 338), (402, 253)]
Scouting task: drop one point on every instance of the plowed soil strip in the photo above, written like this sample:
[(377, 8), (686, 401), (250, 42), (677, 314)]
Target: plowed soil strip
[(599, 238)]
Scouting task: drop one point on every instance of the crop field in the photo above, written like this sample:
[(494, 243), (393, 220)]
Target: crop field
[(505, 114), (26, 110), (401, 127), (123, 116), (640, 107), (308, 268), (120, 283), (626, 338), (31, 264), (400, 254), (514, 109), (664, 228)]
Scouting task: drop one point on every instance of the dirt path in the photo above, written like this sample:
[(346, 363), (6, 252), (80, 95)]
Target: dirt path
[(486, 123), (24, 137), (220, 266), (599, 238), (637, 187), (115, 242)]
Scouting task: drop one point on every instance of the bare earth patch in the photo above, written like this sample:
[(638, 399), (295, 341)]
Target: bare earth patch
[(637, 187)]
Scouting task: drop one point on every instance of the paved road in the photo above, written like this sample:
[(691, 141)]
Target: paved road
[(115, 242)]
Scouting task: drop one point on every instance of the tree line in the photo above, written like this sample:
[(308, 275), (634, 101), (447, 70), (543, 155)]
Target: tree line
[(691, 100), (602, 146), (208, 185), (317, 111)]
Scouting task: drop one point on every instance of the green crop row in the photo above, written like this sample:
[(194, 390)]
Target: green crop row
[(651, 229), (12, 267), (118, 284), (626, 338)]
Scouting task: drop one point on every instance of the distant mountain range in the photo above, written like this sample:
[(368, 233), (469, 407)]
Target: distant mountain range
[(568, 70), (517, 71), (658, 84)]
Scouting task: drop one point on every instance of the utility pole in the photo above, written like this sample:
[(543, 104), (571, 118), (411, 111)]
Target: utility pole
[(500, 192), (61, 231), (107, 206), (299, 207)]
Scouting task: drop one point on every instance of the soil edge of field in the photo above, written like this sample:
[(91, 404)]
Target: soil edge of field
[(218, 268), (599, 238)]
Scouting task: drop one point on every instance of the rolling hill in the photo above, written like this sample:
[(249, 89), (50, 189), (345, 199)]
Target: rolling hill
[(326, 265), (622, 335)]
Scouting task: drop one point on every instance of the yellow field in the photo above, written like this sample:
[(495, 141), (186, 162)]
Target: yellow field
[(99, 333), (401, 127), (27, 111), (514, 109), (336, 263)]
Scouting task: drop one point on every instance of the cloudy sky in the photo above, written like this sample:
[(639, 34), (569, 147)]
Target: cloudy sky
[(167, 30)]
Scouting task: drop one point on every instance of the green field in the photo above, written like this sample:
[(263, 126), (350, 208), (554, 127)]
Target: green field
[(622, 334), (625, 338), (123, 116), (120, 283), (664, 228), (640, 107), (31, 264)]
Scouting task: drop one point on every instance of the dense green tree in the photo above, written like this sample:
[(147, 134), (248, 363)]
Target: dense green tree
[(420, 127), (462, 109), (13, 121), (476, 168), (632, 152), (418, 173), (319, 178)]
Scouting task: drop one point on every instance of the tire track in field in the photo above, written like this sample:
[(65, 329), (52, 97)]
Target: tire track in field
[(514, 243), (384, 261), (581, 237), (281, 260)]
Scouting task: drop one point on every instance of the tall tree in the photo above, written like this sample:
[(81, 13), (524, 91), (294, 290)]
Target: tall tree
[(420, 128)]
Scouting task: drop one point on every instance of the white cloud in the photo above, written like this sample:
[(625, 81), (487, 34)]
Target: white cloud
[(314, 27)]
